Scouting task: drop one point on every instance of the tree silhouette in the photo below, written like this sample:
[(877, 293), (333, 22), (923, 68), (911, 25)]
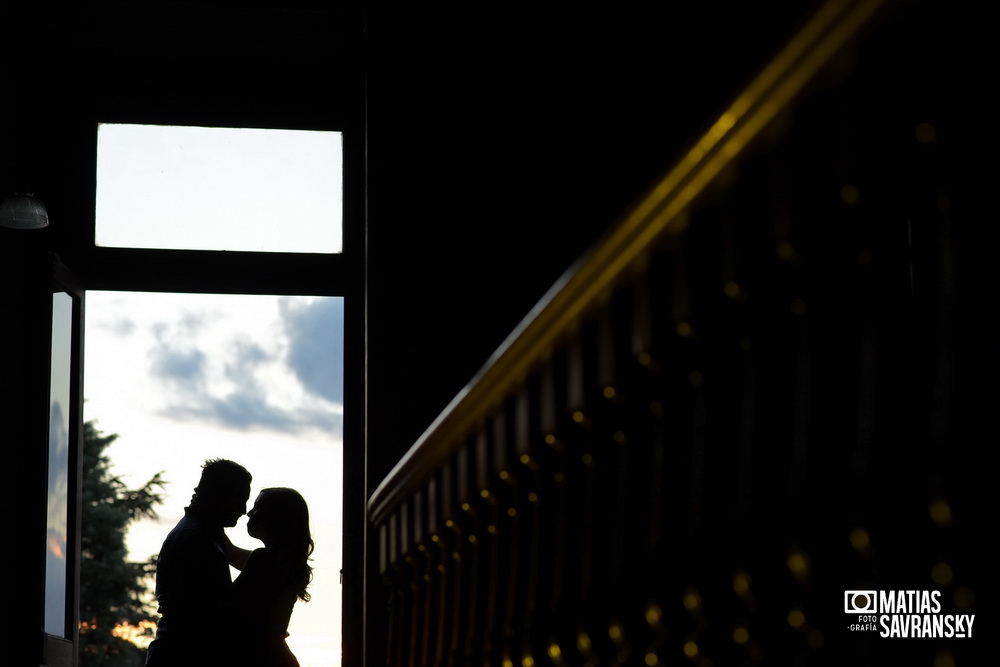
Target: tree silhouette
[(115, 596)]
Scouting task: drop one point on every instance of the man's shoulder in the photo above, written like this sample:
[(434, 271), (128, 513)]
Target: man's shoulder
[(190, 531)]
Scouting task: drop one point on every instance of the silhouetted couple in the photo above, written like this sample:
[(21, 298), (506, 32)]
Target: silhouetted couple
[(206, 618)]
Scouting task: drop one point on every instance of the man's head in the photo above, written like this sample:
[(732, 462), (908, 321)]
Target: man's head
[(222, 492)]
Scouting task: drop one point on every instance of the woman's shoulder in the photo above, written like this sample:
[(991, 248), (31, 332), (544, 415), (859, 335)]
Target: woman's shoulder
[(268, 559), (264, 557)]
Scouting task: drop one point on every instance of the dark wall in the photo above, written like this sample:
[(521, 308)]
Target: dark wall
[(501, 142)]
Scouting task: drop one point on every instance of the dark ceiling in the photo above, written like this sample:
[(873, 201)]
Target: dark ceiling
[(501, 140)]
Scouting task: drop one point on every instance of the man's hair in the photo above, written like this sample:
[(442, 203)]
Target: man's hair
[(220, 477)]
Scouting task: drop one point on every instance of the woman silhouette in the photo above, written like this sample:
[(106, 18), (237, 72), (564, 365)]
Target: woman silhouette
[(272, 578)]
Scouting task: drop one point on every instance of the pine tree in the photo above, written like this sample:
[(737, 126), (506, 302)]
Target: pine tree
[(114, 592)]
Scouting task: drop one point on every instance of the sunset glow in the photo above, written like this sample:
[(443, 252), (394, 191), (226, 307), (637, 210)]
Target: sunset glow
[(140, 635), (57, 545)]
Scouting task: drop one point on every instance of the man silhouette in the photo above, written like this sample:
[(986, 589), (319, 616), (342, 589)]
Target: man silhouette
[(193, 581)]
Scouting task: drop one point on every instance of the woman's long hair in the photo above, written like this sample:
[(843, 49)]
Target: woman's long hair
[(287, 521)]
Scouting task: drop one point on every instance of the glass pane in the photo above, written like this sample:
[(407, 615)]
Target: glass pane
[(210, 188), (258, 379), (58, 504)]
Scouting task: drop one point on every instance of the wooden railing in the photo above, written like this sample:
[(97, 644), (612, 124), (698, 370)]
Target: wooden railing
[(681, 453)]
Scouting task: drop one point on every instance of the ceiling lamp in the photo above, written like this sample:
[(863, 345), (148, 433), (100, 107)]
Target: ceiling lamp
[(23, 212)]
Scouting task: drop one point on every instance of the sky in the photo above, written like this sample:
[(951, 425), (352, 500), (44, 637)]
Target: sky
[(181, 378)]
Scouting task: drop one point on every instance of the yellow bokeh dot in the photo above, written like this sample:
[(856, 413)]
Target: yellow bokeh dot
[(798, 564), (741, 583), (653, 614), (732, 289), (651, 660), (684, 329), (692, 600), (609, 392), (964, 598), (785, 250), (690, 649), (849, 194), (925, 133), (554, 651), (940, 512), (942, 574), (796, 618), (741, 635), (860, 539), (944, 659)]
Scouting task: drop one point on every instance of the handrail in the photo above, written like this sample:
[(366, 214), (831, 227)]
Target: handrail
[(660, 210)]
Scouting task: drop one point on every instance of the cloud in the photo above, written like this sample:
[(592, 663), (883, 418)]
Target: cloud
[(316, 345), (121, 326), (252, 384), (177, 360)]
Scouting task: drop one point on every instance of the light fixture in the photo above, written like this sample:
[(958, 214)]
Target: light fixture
[(23, 211)]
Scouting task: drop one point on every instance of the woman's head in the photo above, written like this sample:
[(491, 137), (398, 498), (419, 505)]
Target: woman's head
[(280, 519)]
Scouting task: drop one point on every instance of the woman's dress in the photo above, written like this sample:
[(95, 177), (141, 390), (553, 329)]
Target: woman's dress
[(264, 595)]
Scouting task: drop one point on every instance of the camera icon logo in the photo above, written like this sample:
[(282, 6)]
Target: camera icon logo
[(860, 602)]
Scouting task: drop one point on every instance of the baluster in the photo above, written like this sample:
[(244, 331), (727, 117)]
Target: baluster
[(422, 567), (408, 644), (567, 513), (473, 558), (505, 487), (490, 553), (393, 577), (448, 565), (436, 553), (537, 552)]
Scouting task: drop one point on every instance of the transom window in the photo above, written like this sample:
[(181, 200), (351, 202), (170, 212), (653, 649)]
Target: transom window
[(212, 188)]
